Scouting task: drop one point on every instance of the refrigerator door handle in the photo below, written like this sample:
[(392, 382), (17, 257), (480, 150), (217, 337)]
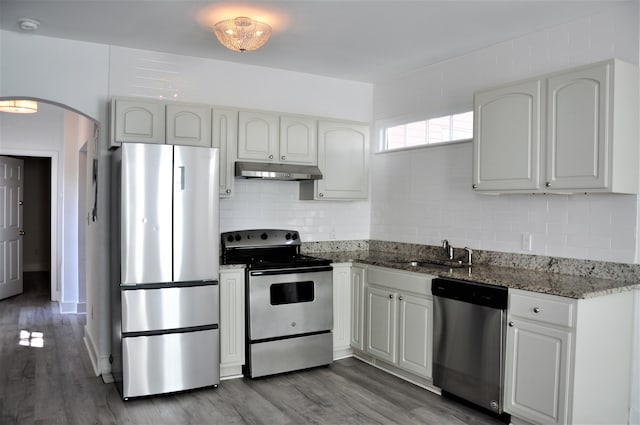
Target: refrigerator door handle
[(182, 171)]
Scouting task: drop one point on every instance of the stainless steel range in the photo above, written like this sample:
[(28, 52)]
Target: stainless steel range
[(289, 301)]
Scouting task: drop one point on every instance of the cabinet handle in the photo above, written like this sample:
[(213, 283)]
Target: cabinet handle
[(536, 309), (511, 324), (548, 184), (270, 156), (321, 194), (228, 190), (390, 296), (283, 157), (400, 297), (474, 186)]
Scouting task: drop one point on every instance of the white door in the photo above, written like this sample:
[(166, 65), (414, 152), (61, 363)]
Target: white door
[(298, 140), (537, 367), (578, 125), (381, 323), (11, 186), (506, 140), (415, 338)]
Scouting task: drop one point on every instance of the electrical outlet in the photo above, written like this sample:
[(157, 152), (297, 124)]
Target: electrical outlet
[(526, 241)]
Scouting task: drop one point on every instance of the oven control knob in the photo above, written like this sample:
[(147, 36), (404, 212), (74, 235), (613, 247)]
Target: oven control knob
[(264, 236), (294, 236), (287, 236), (238, 237), (230, 238)]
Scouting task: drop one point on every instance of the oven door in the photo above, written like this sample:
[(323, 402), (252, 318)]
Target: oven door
[(288, 302)]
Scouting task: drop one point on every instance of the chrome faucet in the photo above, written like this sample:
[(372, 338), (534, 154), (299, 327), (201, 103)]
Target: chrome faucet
[(448, 249), (469, 252)]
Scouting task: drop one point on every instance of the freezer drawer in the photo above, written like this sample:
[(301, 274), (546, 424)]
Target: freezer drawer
[(170, 362), (170, 308)]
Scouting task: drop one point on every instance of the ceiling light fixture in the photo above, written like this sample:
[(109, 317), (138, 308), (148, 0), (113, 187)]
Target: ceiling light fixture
[(242, 34), (28, 24), (19, 106)]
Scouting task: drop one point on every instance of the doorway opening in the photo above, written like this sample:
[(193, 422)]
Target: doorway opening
[(37, 224)]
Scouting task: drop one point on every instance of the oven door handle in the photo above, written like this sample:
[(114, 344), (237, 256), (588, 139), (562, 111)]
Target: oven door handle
[(290, 271)]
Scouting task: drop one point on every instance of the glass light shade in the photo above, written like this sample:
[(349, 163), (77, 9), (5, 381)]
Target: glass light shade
[(242, 34), (19, 106)]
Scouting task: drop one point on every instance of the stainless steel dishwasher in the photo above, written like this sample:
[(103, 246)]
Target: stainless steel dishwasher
[(468, 341)]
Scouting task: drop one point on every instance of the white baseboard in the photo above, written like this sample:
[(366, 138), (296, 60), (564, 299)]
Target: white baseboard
[(342, 353), (81, 308), (73, 307), (91, 351), (68, 307)]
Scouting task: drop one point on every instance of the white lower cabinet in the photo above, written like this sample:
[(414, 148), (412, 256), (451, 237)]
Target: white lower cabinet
[(568, 361), (537, 369), (399, 319), (232, 330), (341, 310), (415, 334)]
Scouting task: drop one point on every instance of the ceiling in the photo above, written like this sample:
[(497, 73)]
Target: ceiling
[(362, 40)]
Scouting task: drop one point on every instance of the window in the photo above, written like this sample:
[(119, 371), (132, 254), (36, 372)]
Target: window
[(436, 130)]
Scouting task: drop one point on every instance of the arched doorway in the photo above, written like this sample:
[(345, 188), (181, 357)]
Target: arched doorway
[(62, 135)]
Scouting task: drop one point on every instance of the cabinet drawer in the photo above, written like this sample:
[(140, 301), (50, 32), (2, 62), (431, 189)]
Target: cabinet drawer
[(400, 281), (541, 309)]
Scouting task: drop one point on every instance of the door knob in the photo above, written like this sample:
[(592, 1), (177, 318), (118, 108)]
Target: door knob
[(20, 203), (21, 232)]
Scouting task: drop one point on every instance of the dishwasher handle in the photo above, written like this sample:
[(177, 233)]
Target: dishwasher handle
[(470, 292)]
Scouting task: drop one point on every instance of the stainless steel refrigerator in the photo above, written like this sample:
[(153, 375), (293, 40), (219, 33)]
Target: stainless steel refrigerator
[(165, 269)]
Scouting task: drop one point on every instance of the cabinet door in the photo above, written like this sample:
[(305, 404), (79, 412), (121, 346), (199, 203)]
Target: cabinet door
[(140, 121), (224, 137), (341, 310), (343, 158), (231, 322), (257, 136), (506, 137), (537, 365), (298, 140), (416, 334), (381, 323), (189, 125), (357, 308), (578, 121)]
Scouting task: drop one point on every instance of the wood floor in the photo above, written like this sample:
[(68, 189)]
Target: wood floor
[(54, 384)]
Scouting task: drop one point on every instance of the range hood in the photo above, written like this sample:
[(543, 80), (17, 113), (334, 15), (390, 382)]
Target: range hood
[(267, 170)]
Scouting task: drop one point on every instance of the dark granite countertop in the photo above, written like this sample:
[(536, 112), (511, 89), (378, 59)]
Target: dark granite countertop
[(545, 282)]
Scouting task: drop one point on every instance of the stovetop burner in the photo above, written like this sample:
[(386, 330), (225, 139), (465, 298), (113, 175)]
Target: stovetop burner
[(266, 249)]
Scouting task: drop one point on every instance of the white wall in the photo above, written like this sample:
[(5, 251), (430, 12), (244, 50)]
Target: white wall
[(424, 195)]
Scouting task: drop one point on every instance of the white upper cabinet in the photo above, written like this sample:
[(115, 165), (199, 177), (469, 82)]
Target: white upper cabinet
[(573, 131), (270, 137), (298, 140), (507, 137), (343, 159), (224, 136), (257, 136), (137, 120), (188, 125)]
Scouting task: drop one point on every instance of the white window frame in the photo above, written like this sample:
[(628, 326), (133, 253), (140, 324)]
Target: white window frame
[(382, 126)]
